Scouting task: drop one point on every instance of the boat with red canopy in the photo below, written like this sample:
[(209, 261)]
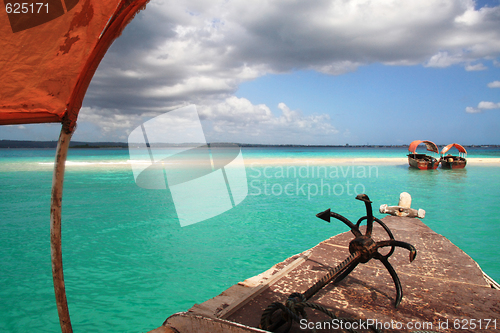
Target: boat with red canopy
[(451, 161), (423, 161)]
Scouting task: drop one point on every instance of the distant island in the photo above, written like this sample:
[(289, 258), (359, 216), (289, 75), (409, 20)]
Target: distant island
[(122, 145), (53, 144)]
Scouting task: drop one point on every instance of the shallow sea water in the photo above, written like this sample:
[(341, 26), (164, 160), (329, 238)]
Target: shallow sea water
[(129, 265)]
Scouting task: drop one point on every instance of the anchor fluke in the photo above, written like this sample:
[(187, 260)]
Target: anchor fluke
[(413, 254), (363, 197), (325, 215)]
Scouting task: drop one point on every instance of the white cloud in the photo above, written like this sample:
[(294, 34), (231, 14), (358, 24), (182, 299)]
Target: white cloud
[(198, 52), (108, 120), (444, 59), (338, 68), (96, 124), (232, 120), (236, 111), (476, 67), (494, 84), (257, 124), (482, 106), (471, 109), (21, 127), (194, 51), (39, 132), (488, 105)]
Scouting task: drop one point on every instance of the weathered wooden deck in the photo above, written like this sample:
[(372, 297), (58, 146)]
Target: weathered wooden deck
[(444, 290)]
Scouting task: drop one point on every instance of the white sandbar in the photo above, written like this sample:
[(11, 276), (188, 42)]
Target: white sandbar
[(249, 162)]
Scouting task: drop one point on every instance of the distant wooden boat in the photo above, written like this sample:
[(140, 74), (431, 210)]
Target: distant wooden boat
[(453, 162), (423, 161)]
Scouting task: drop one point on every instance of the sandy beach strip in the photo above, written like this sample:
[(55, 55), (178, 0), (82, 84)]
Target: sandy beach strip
[(484, 161), (354, 161), (249, 162)]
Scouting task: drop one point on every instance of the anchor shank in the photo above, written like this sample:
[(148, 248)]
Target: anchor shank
[(369, 222), (353, 259)]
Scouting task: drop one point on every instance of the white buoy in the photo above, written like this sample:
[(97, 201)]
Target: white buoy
[(405, 200), (403, 209)]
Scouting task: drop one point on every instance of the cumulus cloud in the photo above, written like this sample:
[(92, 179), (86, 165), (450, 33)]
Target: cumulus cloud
[(258, 124), (482, 106), (194, 51), (231, 120), (485, 105), (100, 124), (488, 105), (198, 52), (444, 59), (476, 67), (471, 109)]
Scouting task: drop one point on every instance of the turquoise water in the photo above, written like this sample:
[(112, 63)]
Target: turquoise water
[(129, 265)]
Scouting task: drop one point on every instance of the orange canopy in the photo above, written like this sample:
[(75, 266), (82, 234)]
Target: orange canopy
[(456, 145), (431, 146), (49, 53)]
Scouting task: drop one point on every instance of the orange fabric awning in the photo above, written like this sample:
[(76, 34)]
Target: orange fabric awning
[(456, 145), (49, 55), (431, 146)]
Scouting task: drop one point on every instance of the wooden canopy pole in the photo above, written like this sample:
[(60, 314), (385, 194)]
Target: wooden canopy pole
[(55, 230)]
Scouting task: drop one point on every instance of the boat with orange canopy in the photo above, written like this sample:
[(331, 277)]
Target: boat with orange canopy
[(50, 52), (451, 161), (423, 161)]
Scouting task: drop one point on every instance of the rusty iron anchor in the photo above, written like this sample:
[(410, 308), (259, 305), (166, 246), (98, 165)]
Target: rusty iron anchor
[(362, 248), (367, 247)]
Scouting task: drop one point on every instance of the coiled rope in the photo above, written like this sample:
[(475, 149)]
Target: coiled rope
[(294, 309)]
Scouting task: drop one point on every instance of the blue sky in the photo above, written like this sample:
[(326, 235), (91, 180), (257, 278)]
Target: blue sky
[(380, 104), (298, 72)]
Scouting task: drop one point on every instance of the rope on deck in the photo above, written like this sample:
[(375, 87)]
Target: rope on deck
[(294, 309)]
